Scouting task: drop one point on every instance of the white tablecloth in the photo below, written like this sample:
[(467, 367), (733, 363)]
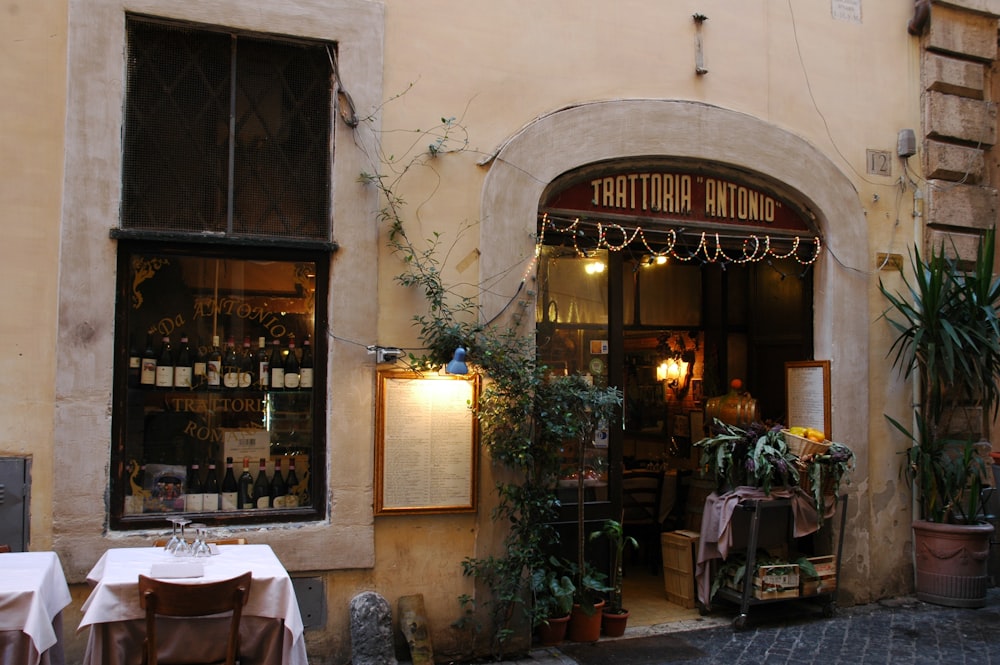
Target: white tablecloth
[(33, 593), (115, 617)]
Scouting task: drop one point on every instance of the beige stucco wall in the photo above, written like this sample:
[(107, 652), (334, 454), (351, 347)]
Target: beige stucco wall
[(538, 88), (33, 44)]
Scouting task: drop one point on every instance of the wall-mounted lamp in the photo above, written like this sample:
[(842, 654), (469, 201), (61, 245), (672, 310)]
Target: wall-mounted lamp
[(457, 363), (594, 267), (673, 373)]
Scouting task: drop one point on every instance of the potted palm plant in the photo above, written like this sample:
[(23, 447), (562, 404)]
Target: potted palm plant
[(948, 338), (614, 617)]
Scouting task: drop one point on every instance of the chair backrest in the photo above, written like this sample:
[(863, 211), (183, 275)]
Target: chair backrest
[(173, 599), (641, 496)]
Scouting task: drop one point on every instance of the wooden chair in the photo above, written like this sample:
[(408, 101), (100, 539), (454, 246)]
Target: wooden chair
[(171, 599), (641, 490), (4, 548)]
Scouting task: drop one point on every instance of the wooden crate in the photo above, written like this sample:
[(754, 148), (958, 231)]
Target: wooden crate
[(679, 554), (826, 576), (779, 581)]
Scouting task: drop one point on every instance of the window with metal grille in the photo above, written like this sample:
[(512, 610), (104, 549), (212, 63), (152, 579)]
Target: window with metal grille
[(226, 134)]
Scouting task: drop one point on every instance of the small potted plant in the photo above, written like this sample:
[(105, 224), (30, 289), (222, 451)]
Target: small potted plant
[(553, 592), (614, 617), (588, 602)]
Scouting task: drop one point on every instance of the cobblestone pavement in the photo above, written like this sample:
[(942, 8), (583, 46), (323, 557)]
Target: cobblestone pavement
[(896, 631)]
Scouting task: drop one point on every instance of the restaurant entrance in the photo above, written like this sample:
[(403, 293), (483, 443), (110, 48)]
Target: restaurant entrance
[(653, 312)]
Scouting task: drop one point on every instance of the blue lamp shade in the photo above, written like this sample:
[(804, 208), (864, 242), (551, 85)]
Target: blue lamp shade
[(457, 364)]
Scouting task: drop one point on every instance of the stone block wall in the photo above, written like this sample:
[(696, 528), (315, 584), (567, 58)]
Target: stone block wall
[(958, 52)]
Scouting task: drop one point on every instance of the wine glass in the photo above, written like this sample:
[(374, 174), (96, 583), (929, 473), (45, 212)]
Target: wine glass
[(183, 547), (174, 540), (200, 546)]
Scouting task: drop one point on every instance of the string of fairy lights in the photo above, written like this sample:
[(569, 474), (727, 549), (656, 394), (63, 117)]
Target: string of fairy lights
[(709, 247)]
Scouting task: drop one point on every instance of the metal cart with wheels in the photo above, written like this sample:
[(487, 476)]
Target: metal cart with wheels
[(759, 509)]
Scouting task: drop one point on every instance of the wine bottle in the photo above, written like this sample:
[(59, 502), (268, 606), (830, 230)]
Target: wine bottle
[(230, 366), (262, 360), (292, 376), (147, 375), (211, 489), (184, 366), (276, 366), (214, 365), (244, 497), (278, 490), (247, 365), (200, 368), (165, 365), (228, 500), (290, 483), (261, 488), (194, 498), (306, 365), (134, 363)]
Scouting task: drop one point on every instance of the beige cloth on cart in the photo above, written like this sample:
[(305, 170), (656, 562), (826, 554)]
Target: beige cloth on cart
[(716, 526)]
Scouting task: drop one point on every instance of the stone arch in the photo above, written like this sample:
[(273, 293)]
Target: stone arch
[(523, 167)]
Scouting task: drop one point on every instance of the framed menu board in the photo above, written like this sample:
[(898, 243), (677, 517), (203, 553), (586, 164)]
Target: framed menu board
[(427, 443), (807, 394)]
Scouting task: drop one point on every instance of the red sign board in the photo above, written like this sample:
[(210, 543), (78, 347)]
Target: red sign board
[(679, 197)]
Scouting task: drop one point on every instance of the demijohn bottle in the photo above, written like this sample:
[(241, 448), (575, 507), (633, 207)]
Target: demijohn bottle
[(147, 375), (291, 366), (278, 489), (244, 497), (165, 365), (230, 366), (184, 366), (261, 488), (306, 365), (211, 488), (276, 366), (213, 367), (230, 490)]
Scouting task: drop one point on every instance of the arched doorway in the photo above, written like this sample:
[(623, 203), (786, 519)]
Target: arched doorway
[(522, 170)]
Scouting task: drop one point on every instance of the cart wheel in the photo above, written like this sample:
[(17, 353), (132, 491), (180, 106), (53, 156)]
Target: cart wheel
[(740, 622), (829, 610)]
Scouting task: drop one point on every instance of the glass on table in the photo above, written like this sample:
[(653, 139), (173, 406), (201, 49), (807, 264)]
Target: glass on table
[(174, 539), (183, 547), (200, 545)]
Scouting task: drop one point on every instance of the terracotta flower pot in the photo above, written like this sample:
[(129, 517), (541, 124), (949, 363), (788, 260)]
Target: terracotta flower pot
[(613, 625), (585, 627), (554, 632), (952, 562)]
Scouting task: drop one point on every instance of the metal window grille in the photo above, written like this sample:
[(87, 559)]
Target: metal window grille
[(226, 134)]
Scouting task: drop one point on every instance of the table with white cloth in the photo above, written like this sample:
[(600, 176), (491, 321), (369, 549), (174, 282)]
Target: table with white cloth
[(33, 593), (271, 628)]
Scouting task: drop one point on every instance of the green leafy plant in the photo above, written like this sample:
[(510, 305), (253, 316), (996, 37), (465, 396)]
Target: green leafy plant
[(617, 540), (948, 338), (524, 415), (756, 456), (553, 591), (826, 472)]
